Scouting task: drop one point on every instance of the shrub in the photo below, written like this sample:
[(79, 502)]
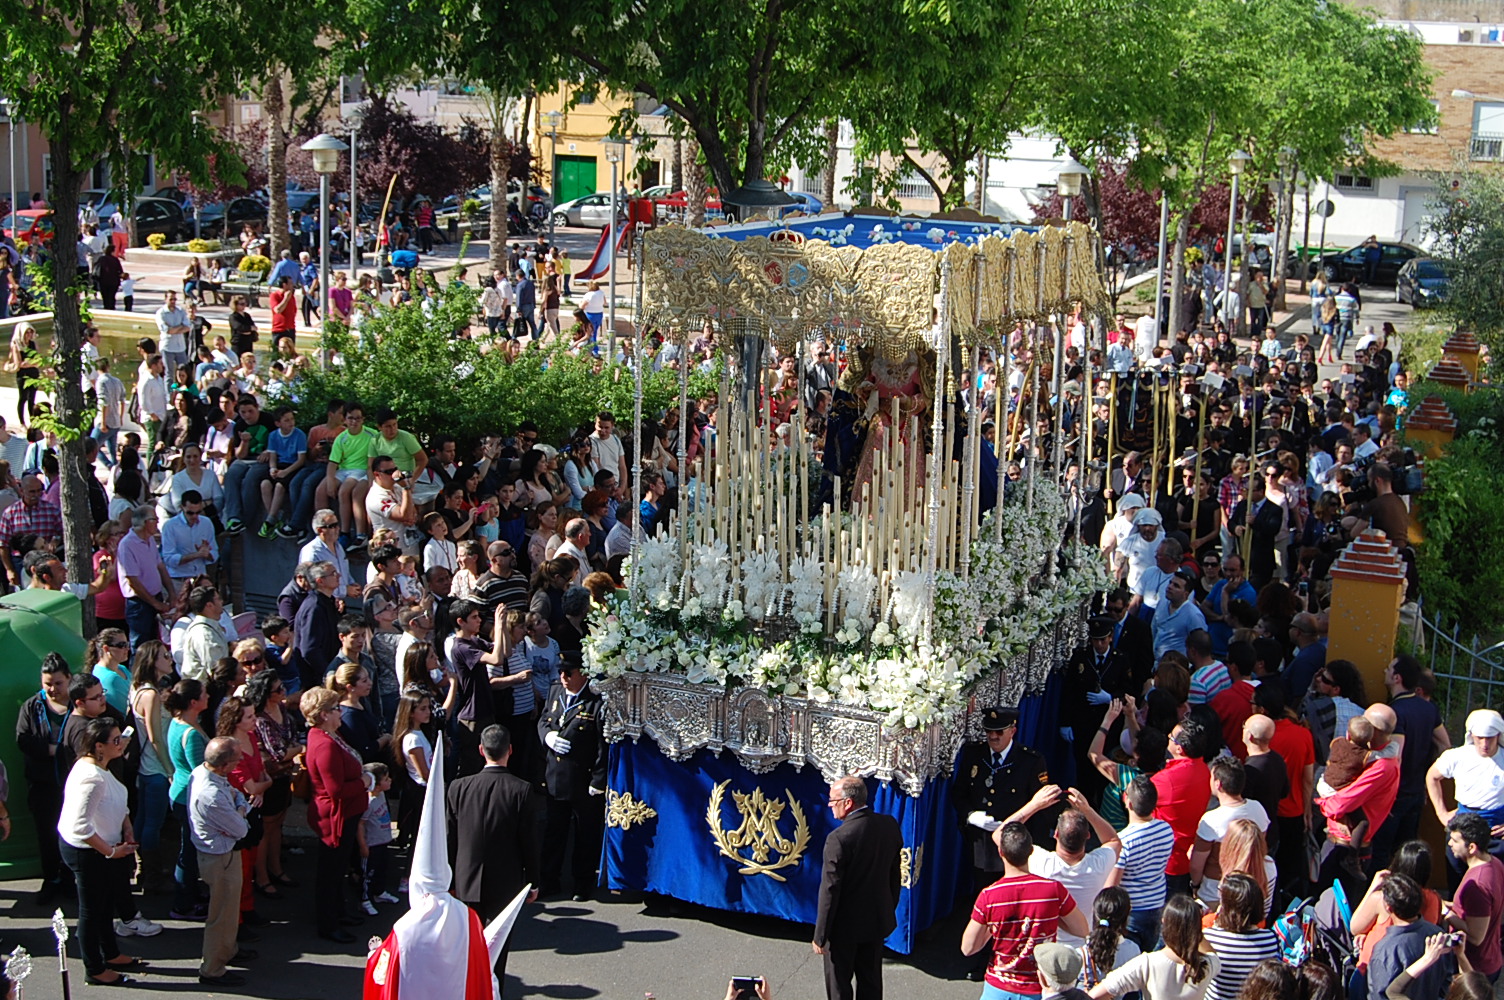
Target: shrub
[(203, 246), (410, 361), (156, 241), (255, 262), (469, 208)]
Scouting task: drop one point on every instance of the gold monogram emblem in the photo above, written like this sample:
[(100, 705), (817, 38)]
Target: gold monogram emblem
[(758, 830), (625, 812), (910, 861)]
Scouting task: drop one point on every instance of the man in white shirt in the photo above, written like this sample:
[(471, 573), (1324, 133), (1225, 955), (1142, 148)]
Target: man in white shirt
[(110, 415), (204, 638), (12, 449), (619, 538), (1083, 872), (605, 447), (390, 505), (1121, 356), (151, 397), (576, 537), (1228, 779)]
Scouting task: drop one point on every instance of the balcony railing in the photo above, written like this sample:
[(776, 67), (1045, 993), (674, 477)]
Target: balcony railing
[(1486, 146)]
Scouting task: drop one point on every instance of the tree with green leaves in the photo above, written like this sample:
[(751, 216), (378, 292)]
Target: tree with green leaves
[(1467, 230), (98, 78), (754, 83)]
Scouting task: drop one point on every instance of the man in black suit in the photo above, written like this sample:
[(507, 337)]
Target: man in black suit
[(495, 820), (1267, 523), (575, 774), (858, 893), (1094, 676), (1131, 639)]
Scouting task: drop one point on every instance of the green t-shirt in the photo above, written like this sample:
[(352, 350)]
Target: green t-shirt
[(402, 449), (350, 451)]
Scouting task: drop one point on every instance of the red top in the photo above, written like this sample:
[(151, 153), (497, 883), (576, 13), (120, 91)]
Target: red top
[(251, 766), (339, 793), (1481, 894), (1021, 911), (1373, 791), (284, 310), (1233, 707), (1293, 742), (1185, 787)]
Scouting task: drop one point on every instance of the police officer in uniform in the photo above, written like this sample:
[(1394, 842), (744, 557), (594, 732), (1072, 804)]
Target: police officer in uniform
[(575, 773), (1095, 674), (995, 780)]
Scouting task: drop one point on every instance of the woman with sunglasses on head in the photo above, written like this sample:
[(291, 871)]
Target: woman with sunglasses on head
[(108, 652), (97, 841)]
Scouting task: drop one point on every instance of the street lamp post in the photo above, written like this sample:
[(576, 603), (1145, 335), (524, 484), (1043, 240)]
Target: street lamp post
[(553, 119), (1161, 312), (10, 119), (353, 119), (325, 150), (1069, 181), (615, 150), (1237, 163)]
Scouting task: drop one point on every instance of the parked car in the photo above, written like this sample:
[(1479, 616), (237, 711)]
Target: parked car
[(223, 220), (1422, 282), (593, 210), (1349, 265), (29, 225), (674, 204), (159, 215)]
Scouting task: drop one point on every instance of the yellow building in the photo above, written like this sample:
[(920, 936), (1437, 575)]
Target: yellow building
[(573, 162)]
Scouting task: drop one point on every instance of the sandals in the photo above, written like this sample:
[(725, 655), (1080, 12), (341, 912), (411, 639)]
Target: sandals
[(281, 878), (119, 980), (269, 890)]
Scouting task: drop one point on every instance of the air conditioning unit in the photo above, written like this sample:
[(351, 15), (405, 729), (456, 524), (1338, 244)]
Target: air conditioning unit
[(1466, 36)]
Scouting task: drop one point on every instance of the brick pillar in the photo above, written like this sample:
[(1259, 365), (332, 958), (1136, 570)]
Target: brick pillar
[(1431, 427), (1448, 371), (1463, 348), (1368, 587)]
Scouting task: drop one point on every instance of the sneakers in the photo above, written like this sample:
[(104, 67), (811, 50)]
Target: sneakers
[(137, 926), (357, 544), (286, 530), (234, 526), (199, 913), (266, 529), (369, 907), (387, 897)]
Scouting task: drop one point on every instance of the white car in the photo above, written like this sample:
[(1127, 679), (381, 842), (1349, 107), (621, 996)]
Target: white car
[(591, 211)]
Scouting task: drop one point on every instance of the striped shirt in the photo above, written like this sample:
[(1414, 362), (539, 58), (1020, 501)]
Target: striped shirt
[(1021, 912), (1146, 851), (1208, 682), (522, 694), (1238, 953)]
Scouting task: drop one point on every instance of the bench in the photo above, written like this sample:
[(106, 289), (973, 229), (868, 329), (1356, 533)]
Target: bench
[(248, 283)]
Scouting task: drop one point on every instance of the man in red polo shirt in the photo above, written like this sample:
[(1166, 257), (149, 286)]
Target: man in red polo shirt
[(1294, 744), (1017, 913), (1185, 787), (1234, 705), (284, 305)]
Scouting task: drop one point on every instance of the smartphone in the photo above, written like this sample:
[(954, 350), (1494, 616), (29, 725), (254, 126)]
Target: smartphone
[(127, 733), (1304, 588), (740, 983), (1455, 938)]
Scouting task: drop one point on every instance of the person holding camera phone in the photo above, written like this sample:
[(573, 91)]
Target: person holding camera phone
[(389, 504), (1407, 944), (748, 988)]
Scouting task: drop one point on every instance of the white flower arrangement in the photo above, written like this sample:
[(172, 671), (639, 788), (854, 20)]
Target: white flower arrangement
[(715, 623)]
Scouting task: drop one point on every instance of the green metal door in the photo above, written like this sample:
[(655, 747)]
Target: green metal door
[(576, 178)]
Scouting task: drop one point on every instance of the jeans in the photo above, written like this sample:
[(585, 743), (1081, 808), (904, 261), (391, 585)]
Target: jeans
[(377, 864), (173, 359), (596, 319), (300, 494), (96, 905), (106, 438), (45, 801), (1344, 330), (141, 621), (186, 872), (152, 804), (243, 488), (1143, 927), (990, 992)]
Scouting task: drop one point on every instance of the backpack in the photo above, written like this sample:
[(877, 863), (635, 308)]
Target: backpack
[(1296, 931)]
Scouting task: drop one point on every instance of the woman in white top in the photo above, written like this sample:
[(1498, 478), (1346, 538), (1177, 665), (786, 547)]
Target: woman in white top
[(414, 753), (1108, 946), (194, 476), (1181, 970), (97, 840)]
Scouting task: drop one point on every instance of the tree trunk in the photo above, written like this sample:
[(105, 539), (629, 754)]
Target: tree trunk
[(676, 167), (1177, 272), (274, 106), (981, 201), (832, 153), (1282, 244), (529, 101), (67, 347), (501, 166), (694, 183)]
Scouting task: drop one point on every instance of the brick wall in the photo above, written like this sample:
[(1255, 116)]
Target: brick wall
[(1478, 68)]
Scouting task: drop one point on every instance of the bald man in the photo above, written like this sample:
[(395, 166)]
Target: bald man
[(1371, 792), (1267, 779)]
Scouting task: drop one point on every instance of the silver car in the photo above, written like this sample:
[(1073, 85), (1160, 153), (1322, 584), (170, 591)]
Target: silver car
[(592, 211)]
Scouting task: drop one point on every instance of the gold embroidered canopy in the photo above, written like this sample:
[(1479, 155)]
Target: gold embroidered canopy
[(883, 296)]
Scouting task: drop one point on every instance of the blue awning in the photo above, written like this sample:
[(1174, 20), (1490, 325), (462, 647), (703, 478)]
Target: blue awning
[(864, 231)]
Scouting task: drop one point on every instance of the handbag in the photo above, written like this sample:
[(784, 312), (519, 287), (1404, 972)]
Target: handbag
[(256, 828), (302, 784)]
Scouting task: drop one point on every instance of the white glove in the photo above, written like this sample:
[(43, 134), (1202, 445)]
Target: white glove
[(1098, 698), (1068, 734), (597, 791), (982, 821), (557, 744)]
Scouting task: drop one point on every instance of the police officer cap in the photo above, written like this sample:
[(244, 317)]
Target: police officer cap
[(571, 659), (1099, 626), (995, 719)]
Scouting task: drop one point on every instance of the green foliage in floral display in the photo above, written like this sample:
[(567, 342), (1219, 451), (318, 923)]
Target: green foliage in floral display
[(413, 361), (738, 626)]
